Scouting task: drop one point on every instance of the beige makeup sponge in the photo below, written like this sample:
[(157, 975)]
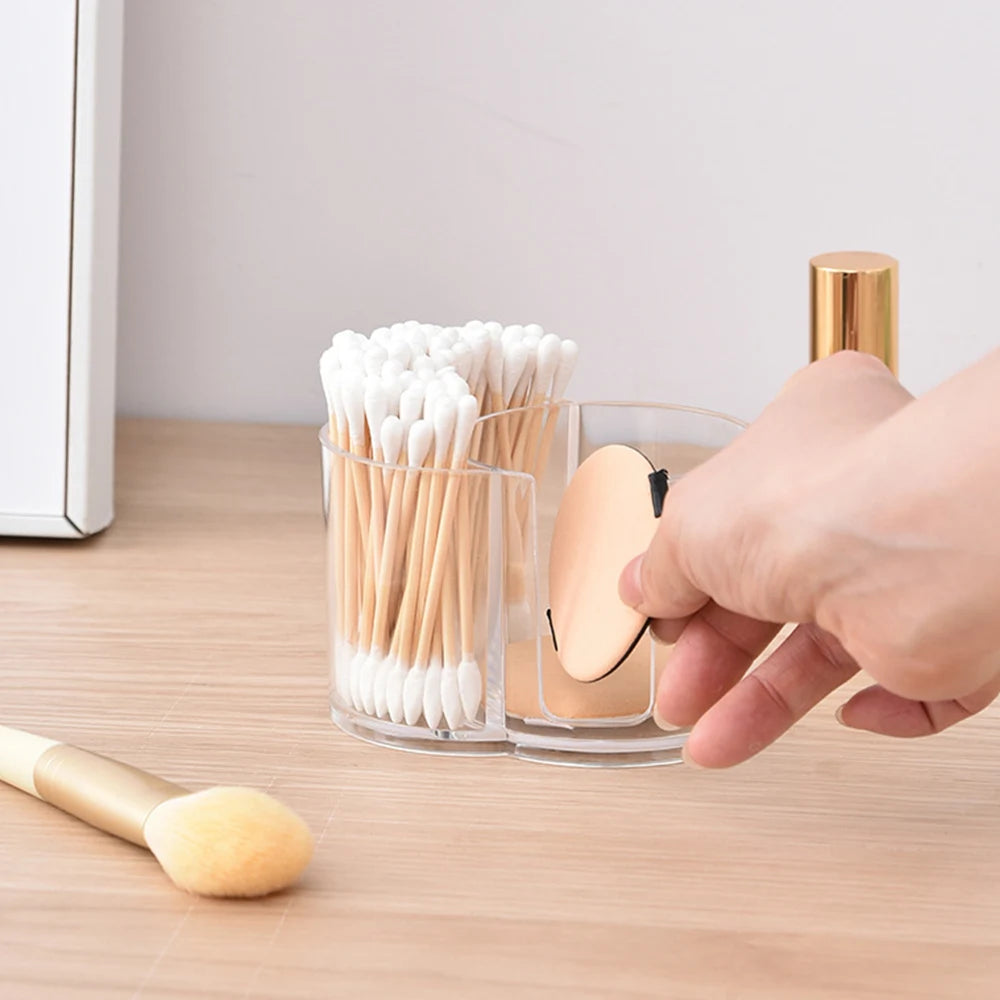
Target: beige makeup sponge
[(607, 516)]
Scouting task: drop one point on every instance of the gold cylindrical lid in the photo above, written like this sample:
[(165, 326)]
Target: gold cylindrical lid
[(854, 305)]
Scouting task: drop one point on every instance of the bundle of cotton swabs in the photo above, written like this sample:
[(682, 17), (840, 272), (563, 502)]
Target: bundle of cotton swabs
[(406, 537)]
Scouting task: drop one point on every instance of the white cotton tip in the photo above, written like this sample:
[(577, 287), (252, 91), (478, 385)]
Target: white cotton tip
[(413, 694), (352, 359), (342, 671), (495, 366), (376, 406), (407, 379), (546, 361), (528, 372), (375, 357), (418, 442), (445, 414), (391, 439), (381, 336), (449, 335), (512, 335), (568, 351), (398, 329), (432, 695), (418, 339), (424, 367), (393, 386), (329, 375), (442, 358), (480, 347), (473, 328), (394, 691), (379, 690), (454, 385), (366, 684), (466, 412), (433, 391), (399, 352), (534, 330), (345, 338), (357, 663), (470, 688), (462, 358), (451, 699), (411, 403), (392, 368), (353, 396), (513, 368)]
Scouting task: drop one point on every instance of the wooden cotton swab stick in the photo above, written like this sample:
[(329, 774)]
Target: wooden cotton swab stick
[(470, 681), (374, 618), (401, 513), (466, 416), (451, 699)]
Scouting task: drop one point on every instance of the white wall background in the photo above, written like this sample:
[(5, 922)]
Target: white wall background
[(647, 177)]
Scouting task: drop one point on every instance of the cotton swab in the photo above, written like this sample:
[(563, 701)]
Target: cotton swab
[(404, 567)]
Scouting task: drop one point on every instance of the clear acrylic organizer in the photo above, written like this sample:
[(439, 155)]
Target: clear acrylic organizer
[(438, 591)]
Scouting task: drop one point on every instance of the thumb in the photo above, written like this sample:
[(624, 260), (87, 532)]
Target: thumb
[(655, 582)]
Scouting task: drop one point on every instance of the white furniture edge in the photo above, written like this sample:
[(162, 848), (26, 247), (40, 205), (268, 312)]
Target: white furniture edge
[(89, 473)]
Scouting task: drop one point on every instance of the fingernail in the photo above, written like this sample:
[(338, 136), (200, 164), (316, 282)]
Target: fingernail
[(630, 583), (687, 759), (661, 722), (839, 716)]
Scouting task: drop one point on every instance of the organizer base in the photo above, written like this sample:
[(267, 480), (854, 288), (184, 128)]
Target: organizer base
[(567, 748)]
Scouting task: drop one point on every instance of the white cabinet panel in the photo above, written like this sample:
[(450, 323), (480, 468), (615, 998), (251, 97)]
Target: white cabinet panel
[(37, 44)]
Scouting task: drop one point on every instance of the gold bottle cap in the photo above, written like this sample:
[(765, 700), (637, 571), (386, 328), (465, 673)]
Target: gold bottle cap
[(854, 305)]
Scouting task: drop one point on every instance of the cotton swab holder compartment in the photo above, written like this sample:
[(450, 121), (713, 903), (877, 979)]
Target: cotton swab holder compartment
[(441, 632)]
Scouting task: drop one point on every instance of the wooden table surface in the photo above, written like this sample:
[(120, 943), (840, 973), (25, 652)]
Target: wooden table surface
[(189, 639)]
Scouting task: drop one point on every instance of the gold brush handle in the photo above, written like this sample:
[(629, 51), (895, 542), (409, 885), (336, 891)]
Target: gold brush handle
[(105, 793)]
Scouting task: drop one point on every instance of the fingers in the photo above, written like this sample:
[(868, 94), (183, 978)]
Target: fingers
[(803, 670), (879, 711), (712, 654), (655, 583)]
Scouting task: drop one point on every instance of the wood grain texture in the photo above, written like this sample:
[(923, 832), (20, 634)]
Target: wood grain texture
[(190, 640)]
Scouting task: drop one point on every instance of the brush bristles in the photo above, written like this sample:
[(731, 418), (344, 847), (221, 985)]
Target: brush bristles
[(407, 560), (230, 842)]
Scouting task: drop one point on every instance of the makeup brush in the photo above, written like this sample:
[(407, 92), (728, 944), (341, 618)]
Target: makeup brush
[(224, 841)]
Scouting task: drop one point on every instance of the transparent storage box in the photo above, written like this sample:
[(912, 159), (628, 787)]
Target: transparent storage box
[(438, 591)]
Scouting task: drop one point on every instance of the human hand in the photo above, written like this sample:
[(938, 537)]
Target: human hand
[(814, 516)]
